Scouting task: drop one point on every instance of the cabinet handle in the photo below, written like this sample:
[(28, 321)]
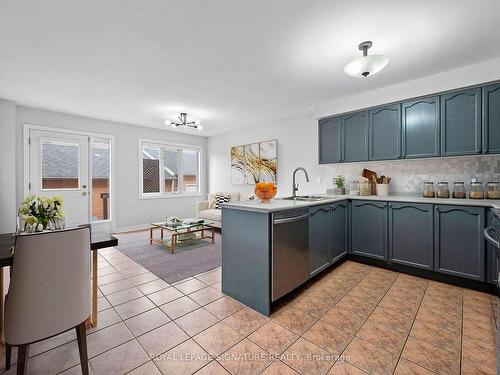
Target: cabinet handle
[(390, 204)]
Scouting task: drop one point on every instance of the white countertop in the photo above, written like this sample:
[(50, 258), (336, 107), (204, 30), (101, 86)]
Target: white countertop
[(278, 204)]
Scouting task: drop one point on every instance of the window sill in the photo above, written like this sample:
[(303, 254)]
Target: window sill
[(170, 196)]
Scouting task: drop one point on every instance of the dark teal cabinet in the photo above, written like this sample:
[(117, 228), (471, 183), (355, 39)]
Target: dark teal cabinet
[(338, 229), (411, 240), (491, 119), (491, 258), (330, 140), (355, 136), (458, 241), (384, 133), (461, 123), (420, 130), (369, 229), (319, 238)]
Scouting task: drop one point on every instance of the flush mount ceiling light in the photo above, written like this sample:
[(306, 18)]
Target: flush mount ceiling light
[(366, 65), (182, 117)]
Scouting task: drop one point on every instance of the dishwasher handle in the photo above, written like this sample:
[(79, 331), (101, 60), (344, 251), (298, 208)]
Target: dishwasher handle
[(290, 219), (490, 239)]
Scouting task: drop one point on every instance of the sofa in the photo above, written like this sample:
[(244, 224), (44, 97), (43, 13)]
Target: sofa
[(206, 209)]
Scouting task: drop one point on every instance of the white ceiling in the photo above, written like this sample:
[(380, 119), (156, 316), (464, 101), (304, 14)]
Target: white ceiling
[(229, 63)]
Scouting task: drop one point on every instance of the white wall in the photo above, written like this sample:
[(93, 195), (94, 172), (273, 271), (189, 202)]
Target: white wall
[(7, 166), (130, 211), (298, 136)]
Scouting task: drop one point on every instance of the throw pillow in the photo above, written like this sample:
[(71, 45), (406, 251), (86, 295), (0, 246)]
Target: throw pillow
[(220, 199)]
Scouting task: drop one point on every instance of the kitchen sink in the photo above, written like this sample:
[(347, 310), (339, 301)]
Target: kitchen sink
[(307, 198)]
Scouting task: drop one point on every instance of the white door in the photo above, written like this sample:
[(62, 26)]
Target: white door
[(59, 165)]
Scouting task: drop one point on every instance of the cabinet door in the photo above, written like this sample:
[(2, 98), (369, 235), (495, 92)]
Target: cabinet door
[(411, 239), (461, 123), (491, 119), (338, 230), (459, 245), (384, 133), (319, 246), (330, 132), (491, 258), (420, 136), (369, 229), (355, 136)]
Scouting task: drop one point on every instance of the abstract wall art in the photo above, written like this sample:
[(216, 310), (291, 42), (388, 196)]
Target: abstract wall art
[(255, 162)]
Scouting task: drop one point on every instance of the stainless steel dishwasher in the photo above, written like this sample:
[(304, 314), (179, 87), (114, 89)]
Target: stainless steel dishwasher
[(290, 251)]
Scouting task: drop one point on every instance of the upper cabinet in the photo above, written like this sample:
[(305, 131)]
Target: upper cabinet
[(384, 133), (355, 136), (421, 128), (330, 132), (461, 123), (491, 119)]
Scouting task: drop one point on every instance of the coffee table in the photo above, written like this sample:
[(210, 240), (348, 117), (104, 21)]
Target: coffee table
[(181, 234)]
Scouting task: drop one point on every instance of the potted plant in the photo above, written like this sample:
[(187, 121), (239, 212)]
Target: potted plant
[(38, 212), (339, 183)]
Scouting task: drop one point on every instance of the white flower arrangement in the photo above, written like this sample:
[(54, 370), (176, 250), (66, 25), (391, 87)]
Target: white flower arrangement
[(38, 212)]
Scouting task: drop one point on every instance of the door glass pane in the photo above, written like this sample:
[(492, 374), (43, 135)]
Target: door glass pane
[(100, 179), (171, 165), (190, 170), (60, 165), (150, 170)]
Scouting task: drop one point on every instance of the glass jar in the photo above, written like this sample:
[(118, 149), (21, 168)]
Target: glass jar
[(476, 190), (354, 188), (443, 190), (493, 190), (429, 190), (459, 190), (365, 188)]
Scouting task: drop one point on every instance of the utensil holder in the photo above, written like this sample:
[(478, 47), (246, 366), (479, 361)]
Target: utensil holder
[(382, 190)]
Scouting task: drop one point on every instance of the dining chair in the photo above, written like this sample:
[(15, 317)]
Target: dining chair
[(49, 291)]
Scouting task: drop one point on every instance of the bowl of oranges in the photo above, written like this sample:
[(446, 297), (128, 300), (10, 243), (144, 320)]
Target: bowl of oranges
[(265, 191)]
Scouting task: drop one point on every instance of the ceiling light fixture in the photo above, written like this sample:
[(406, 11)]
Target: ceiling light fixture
[(366, 65), (184, 122)]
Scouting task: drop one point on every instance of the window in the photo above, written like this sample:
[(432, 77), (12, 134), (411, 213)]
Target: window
[(100, 179), (60, 165), (169, 169)]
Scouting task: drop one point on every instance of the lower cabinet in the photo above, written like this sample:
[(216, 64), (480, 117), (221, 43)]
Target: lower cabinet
[(411, 240), (338, 229), (459, 247), (491, 258), (369, 229), (319, 238)]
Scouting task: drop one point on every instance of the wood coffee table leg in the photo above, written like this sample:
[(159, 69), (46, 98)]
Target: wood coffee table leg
[(151, 235), (173, 242)]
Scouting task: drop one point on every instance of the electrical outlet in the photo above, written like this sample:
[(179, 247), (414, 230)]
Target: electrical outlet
[(319, 180)]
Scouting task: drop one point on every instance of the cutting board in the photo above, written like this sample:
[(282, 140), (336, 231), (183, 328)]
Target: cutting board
[(368, 174)]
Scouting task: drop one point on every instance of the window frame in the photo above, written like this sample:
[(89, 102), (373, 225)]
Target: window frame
[(61, 143), (162, 194)]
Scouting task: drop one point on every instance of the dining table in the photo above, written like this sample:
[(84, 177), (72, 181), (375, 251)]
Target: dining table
[(98, 240)]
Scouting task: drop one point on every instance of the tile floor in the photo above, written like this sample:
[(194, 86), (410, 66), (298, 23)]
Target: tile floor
[(355, 319)]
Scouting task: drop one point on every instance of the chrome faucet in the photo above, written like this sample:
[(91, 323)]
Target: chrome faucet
[(295, 186)]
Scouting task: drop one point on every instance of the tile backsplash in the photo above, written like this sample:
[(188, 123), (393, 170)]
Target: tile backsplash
[(408, 176)]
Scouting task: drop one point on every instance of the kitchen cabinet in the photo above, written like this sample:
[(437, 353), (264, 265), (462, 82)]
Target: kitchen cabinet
[(491, 119), (355, 136), (461, 123), (330, 135), (458, 241), (491, 258), (338, 229), (319, 238), (369, 229), (411, 240), (384, 133), (420, 129)]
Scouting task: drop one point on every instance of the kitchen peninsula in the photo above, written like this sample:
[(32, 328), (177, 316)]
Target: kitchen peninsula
[(269, 249)]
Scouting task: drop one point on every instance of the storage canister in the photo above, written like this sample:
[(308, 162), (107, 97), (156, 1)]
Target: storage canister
[(493, 190), (429, 190), (443, 190), (476, 190), (459, 190)]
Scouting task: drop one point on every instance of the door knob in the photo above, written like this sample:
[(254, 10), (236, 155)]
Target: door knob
[(84, 193), (84, 186)]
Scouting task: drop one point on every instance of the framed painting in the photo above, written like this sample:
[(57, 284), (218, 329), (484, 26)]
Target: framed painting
[(254, 162)]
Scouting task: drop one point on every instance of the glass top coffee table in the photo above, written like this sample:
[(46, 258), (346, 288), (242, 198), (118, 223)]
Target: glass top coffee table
[(182, 233)]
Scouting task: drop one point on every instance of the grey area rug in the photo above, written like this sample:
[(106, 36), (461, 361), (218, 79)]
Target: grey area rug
[(187, 261)]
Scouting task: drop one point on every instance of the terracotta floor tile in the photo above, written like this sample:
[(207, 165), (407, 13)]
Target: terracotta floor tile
[(295, 320), (210, 277), (308, 358), (475, 368), (224, 307), (355, 305), (344, 319), (328, 337), (213, 368), (482, 351), (274, 338), (345, 368), (366, 293), (406, 367), (439, 319), (246, 321), (206, 295), (450, 340), (134, 307), (145, 322), (218, 338), (196, 321), (383, 336), (152, 286), (279, 368), (185, 358), (107, 338), (245, 358), (164, 296), (431, 357), (370, 357), (190, 286), (313, 304), (479, 328), (162, 339), (149, 368), (119, 360), (179, 307), (400, 305), (392, 319)]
